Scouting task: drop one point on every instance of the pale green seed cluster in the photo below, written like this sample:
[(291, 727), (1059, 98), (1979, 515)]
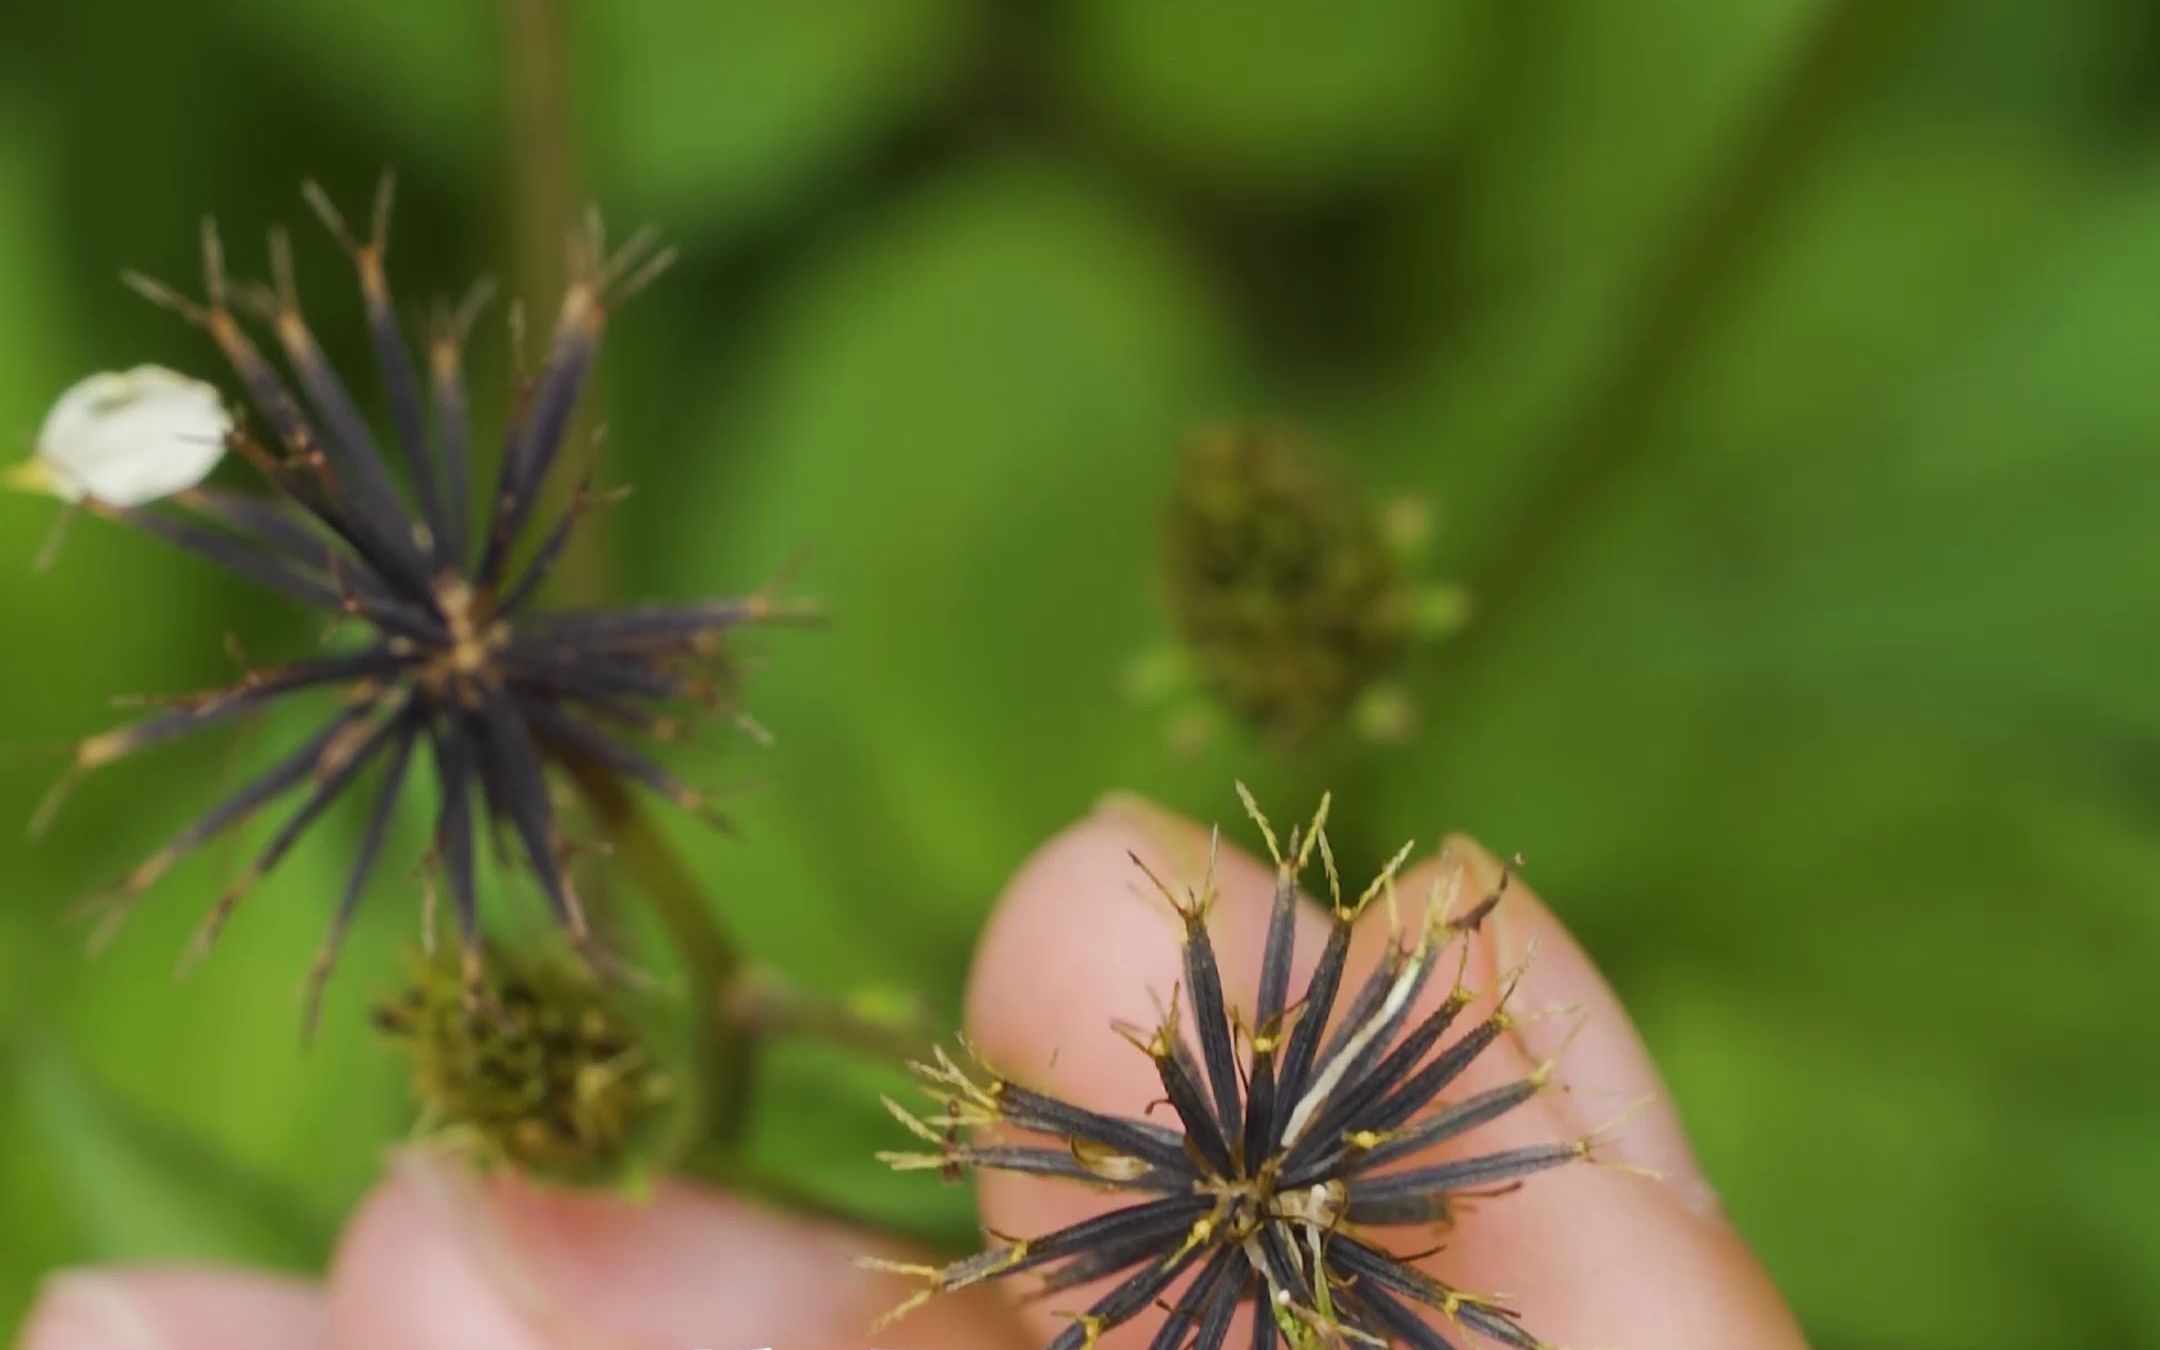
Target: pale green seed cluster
[(527, 1063), (1291, 592)]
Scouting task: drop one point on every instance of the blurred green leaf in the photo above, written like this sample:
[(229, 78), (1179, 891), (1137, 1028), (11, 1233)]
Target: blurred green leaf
[(1607, 120), (1802, 722), (423, 76), (1276, 96), (1898, 1122), (218, 1055), (717, 113), (982, 388), (141, 1190), (812, 1135)]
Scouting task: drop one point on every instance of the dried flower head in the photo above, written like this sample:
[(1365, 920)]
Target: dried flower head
[(451, 650), (1287, 1162), (542, 1071), (1290, 593)]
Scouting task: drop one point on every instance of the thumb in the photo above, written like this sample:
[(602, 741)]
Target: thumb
[(1638, 1254), (1591, 1256)]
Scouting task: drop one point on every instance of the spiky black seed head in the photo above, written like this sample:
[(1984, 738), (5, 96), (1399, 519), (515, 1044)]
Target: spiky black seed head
[(430, 580), (1299, 1125), (525, 1060), (1289, 590)]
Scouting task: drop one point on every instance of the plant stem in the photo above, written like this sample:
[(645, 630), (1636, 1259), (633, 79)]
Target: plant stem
[(732, 1013), (1610, 432), (545, 187), (769, 1008), (723, 1048), (735, 1012)]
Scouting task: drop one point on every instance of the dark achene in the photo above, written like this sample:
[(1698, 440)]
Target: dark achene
[(1274, 1188), (455, 655)]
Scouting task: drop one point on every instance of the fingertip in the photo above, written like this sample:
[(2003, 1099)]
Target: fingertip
[(1072, 947), (1596, 1252), (1081, 940), (1074, 944), (1629, 1247), (438, 1258), (1597, 1256), (413, 1269), (176, 1308), (1607, 1083)]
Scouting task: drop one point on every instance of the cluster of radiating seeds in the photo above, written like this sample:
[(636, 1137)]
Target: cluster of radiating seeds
[(1294, 1149), (434, 581)]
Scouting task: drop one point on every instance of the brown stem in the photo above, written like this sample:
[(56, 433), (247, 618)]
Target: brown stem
[(768, 1008), (723, 1050), (545, 194)]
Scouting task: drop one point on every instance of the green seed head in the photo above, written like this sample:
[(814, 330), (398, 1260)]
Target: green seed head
[(527, 1063), (1288, 593)]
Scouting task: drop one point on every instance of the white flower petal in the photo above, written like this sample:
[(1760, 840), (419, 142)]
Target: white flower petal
[(129, 437)]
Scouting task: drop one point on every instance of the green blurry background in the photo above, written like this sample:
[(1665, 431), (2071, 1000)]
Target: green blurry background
[(1787, 374)]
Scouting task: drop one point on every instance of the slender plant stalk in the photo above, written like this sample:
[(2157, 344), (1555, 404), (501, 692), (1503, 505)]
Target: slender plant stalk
[(1609, 433), (543, 189), (546, 207), (735, 1014), (768, 1007), (723, 1048)]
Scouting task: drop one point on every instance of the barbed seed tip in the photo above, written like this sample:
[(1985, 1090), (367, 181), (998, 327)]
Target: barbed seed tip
[(385, 205)]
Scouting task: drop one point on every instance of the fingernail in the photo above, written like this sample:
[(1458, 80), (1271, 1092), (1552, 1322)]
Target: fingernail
[(471, 1219), (1176, 850), (83, 1310), (1178, 839), (1176, 846), (1610, 1088)]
